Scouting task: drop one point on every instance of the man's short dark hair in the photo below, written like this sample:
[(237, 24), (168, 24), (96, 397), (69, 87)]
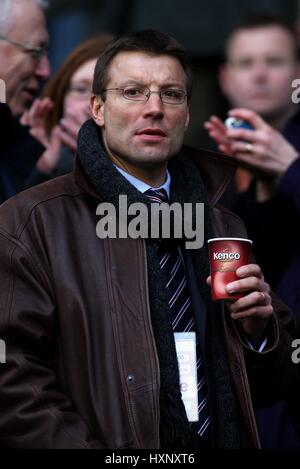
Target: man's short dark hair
[(265, 20), (149, 41)]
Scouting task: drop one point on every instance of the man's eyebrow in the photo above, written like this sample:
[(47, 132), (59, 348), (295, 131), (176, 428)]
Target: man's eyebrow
[(167, 84)]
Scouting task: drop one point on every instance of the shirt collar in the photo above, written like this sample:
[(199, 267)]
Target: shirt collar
[(142, 186)]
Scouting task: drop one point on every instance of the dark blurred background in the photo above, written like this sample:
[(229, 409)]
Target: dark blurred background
[(201, 26)]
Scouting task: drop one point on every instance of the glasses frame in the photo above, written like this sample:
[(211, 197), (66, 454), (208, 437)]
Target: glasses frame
[(147, 95), (36, 52)]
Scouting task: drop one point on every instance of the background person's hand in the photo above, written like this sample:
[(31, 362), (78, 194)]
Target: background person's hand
[(269, 153), (218, 132), (70, 126), (35, 118), (48, 162)]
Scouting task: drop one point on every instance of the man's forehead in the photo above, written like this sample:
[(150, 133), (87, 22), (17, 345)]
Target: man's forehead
[(141, 65), (250, 40), (29, 23)]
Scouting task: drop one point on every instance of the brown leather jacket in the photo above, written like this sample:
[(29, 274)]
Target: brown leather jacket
[(82, 368)]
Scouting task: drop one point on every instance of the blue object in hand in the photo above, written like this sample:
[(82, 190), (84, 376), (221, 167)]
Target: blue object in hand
[(234, 123)]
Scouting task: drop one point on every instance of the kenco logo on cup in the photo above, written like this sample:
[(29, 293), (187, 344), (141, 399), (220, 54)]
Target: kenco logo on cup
[(226, 255)]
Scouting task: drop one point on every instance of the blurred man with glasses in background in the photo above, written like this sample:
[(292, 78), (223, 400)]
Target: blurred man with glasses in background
[(24, 66), (23, 51)]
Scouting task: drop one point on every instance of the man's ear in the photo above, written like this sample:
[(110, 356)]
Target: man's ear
[(97, 108)]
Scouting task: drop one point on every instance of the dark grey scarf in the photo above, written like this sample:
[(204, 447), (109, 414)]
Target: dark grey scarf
[(186, 187)]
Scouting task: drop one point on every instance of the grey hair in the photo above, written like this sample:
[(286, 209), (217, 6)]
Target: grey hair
[(6, 17)]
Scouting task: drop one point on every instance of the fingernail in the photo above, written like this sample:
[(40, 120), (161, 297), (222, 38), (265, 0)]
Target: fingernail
[(230, 288)]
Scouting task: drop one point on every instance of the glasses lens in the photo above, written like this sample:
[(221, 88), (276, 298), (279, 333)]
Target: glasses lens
[(39, 52), (172, 96), (134, 93)]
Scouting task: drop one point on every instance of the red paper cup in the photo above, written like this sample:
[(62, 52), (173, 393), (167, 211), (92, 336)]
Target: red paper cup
[(226, 255)]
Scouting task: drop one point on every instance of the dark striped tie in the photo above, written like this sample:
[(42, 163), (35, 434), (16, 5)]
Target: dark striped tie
[(172, 265)]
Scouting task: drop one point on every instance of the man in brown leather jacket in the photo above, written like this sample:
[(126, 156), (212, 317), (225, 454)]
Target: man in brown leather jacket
[(91, 359)]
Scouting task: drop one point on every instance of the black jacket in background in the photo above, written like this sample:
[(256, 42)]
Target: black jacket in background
[(19, 152)]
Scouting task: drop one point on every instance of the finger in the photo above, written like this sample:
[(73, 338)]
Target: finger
[(256, 298), (249, 284), (25, 118), (215, 123), (48, 102), (243, 134), (68, 140), (55, 139), (69, 127), (250, 116), (245, 150), (208, 280), (256, 311), (42, 108), (220, 139), (225, 149), (39, 111), (249, 270), (253, 161), (216, 133), (218, 124), (36, 107)]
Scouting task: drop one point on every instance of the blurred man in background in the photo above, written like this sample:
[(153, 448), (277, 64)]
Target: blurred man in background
[(261, 62), (24, 40), (24, 66)]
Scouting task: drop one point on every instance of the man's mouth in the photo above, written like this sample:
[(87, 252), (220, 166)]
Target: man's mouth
[(30, 93), (152, 134)]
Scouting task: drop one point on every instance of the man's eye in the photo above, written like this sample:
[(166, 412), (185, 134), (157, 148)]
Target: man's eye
[(175, 94), (133, 92), (82, 89), (276, 61), (243, 64)]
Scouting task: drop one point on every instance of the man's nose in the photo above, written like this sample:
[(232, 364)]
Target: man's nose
[(260, 70), (154, 105), (43, 69)]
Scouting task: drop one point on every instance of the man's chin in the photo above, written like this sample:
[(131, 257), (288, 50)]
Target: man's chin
[(153, 160), (20, 103)]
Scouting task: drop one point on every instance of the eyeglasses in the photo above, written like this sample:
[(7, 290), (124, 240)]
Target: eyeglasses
[(36, 52), (142, 94)]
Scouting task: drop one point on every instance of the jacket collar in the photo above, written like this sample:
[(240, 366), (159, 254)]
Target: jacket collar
[(216, 169)]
